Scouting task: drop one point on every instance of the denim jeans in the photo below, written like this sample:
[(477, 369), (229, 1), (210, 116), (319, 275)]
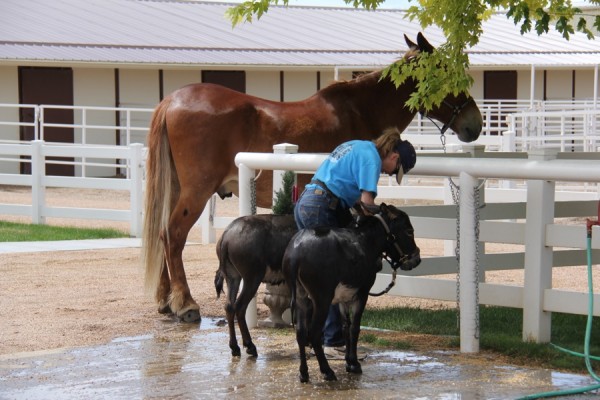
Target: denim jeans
[(313, 209)]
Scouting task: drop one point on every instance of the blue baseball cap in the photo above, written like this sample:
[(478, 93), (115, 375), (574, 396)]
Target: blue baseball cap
[(407, 159)]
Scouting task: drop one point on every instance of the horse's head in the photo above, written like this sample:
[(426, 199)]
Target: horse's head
[(401, 249), (459, 113)]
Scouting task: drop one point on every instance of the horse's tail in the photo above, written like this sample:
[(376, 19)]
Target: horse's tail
[(161, 181)]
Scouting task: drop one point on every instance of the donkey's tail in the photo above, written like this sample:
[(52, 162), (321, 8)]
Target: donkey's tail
[(220, 274), (161, 180), (291, 280)]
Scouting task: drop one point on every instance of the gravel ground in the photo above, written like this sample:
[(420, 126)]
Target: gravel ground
[(77, 298)]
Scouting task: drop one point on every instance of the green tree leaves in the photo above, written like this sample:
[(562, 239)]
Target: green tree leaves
[(445, 70)]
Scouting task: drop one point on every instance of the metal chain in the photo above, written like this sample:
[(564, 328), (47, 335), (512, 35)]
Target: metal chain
[(455, 191), (477, 199), (211, 211), (252, 196)]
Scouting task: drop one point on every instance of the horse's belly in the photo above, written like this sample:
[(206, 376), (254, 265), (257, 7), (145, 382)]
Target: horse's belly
[(344, 294)]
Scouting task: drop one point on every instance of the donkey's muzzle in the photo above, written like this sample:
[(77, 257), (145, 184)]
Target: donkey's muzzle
[(412, 262)]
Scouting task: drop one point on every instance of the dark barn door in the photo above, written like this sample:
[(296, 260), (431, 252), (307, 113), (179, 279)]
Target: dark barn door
[(48, 86), (499, 85), (235, 80)]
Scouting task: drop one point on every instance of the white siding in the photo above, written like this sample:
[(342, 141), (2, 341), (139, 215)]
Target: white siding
[(95, 87), (559, 85), (299, 85), (477, 88), (139, 88), (9, 94), (264, 84), (327, 78), (584, 84), (175, 79)]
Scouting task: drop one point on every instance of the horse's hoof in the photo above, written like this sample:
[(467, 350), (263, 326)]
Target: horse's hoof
[(236, 352), (330, 376), (251, 350), (190, 316), (303, 378), (164, 309), (354, 368)]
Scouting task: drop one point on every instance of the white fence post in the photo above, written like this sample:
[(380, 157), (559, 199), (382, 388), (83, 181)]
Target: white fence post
[(136, 175), (246, 207), (538, 256), (277, 297), (469, 302), (38, 187), (282, 148), (207, 221)]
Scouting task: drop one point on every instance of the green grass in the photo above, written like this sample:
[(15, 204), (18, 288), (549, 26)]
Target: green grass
[(500, 332), (17, 232)]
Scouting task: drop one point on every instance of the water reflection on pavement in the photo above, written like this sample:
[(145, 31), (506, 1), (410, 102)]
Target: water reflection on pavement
[(184, 361)]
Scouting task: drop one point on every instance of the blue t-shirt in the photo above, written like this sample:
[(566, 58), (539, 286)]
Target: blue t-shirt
[(352, 167)]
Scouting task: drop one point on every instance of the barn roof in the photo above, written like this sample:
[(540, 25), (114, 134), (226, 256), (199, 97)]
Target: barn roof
[(190, 33)]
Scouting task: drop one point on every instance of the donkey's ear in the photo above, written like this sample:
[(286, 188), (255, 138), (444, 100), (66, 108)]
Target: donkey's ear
[(424, 45), (410, 43)]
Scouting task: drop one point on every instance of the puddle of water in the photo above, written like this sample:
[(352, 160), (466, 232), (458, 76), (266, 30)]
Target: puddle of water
[(190, 361)]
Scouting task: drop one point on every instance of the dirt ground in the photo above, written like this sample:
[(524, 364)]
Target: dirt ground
[(78, 298)]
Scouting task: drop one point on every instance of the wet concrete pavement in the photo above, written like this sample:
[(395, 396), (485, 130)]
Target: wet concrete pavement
[(183, 361)]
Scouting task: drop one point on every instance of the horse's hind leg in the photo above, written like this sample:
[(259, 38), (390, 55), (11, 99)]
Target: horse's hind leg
[(184, 215), (163, 290)]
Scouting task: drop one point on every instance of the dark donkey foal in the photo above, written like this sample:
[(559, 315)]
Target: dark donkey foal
[(324, 266), (251, 248)]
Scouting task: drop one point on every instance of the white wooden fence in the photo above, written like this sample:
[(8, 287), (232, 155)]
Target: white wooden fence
[(530, 224), (128, 157)]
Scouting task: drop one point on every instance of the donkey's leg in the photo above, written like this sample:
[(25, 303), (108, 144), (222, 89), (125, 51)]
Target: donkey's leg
[(233, 285), (248, 291), (352, 329), (301, 321), (184, 215), (320, 310)]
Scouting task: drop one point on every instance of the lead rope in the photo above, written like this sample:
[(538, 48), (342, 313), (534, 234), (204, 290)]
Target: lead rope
[(394, 270)]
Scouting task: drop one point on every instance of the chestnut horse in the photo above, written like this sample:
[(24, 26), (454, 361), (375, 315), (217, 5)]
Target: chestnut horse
[(196, 132)]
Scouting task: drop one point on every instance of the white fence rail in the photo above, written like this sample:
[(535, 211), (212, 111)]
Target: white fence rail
[(573, 130), (130, 157), (497, 223)]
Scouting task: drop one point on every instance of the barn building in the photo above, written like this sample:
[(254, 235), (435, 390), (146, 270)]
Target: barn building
[(131, 53)]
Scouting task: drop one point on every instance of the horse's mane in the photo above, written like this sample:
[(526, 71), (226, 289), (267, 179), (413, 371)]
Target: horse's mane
[(368, 77)]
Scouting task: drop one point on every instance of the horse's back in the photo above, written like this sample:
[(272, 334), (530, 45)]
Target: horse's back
[(207, 96)]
